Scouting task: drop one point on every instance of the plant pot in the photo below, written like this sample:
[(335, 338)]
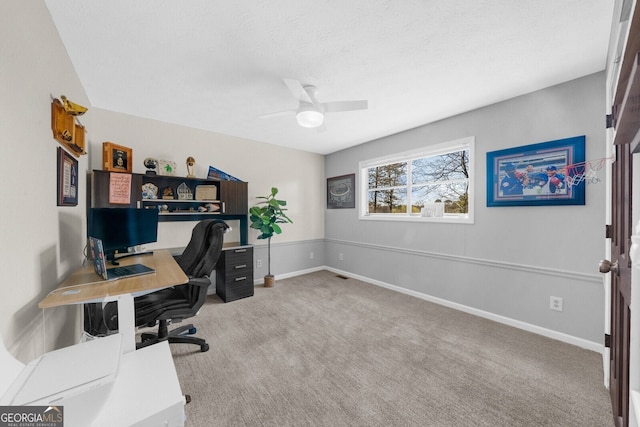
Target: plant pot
[(269, 281)]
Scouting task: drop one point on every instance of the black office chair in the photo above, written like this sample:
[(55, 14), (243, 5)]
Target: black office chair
[(183, 301)]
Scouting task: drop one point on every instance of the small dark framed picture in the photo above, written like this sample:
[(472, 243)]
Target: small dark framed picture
[(547, 173), (116, 158), (67, 179), (341, 192)]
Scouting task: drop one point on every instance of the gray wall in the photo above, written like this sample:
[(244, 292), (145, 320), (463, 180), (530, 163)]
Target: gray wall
[(512, 259), (288, 259)]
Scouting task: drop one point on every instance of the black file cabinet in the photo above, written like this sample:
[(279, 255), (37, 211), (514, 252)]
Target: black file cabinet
[(234, 273)]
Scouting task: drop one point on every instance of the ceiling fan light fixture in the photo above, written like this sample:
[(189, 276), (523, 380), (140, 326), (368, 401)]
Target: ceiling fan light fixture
[(309, 118), (310, 112)]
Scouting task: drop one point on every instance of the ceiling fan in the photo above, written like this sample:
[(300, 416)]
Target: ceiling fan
[(310, 112)]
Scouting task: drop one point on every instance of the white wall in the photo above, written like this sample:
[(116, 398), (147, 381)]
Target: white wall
[(41, 243), (298, 175), (512, 259)]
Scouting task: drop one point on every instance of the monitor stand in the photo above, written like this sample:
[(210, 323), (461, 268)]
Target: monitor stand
[(114, 260)]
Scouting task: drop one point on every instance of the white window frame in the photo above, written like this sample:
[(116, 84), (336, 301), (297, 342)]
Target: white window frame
[(467, 143)]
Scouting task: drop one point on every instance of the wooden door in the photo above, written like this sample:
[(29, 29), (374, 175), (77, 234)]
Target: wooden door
[(624, 69), (620, 270)]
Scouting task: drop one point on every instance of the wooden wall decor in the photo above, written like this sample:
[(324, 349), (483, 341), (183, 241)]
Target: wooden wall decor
[(65, 129), (116, 158)]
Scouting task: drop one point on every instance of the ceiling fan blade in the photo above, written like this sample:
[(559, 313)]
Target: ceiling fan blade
[(277, 113), (297, 90), (333, 107)]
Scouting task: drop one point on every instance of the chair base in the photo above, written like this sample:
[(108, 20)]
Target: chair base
[(179, 335)]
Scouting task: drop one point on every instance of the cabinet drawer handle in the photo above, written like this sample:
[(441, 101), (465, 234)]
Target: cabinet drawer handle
[(239, 250), (238, 267), (240, 279)]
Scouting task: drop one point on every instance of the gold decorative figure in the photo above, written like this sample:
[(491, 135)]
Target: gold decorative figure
[(191, 164), (72, 108)]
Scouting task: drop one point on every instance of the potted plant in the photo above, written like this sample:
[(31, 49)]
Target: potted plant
[(265, 217)]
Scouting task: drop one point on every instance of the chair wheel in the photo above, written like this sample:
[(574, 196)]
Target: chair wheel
[(204, 347), (192, 331)]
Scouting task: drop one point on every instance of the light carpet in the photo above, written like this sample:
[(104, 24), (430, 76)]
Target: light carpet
[(319, 350)]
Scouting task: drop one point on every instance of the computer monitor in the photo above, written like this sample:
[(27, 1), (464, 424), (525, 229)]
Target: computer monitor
[(122, 228)]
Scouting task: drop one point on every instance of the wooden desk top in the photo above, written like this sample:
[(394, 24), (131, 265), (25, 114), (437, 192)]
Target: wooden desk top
[(84, 285)]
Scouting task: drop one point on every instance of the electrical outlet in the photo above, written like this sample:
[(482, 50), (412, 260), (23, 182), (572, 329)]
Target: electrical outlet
[(258, 263), (340, 256), (555, 303), (311, 255)]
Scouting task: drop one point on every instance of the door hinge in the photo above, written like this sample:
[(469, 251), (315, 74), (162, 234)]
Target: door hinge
[(609, 121), (607, 231), (607, 340)]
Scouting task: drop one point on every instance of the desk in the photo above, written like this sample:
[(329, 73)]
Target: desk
[(85, 286), (146, 391), (97, 385)]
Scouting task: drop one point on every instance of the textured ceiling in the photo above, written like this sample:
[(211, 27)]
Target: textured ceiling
[(218, 65)]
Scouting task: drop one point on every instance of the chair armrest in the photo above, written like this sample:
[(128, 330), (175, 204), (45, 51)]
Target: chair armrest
[(199, 281)]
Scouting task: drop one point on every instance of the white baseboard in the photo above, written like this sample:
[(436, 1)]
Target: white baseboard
[(260, 280), (560, 336), (549, 333)]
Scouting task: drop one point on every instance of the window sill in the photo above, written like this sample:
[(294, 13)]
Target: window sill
[(447, 219)]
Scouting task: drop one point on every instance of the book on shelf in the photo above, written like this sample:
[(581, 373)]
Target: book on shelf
[(218, 174)]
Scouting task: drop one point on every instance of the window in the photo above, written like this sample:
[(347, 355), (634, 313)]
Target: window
[(431, 184)]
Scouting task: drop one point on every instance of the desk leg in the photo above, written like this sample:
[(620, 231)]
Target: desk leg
[(127, 322)]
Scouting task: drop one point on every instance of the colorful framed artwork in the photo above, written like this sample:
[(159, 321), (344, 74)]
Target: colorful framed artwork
[(116, 158), (341, 192), (538, 174), (67, 179)]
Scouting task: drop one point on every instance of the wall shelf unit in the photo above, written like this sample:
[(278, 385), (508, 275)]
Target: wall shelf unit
[(230, 202)]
